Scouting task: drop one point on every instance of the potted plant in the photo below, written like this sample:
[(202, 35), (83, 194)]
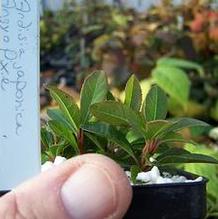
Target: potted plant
[(137, 135)]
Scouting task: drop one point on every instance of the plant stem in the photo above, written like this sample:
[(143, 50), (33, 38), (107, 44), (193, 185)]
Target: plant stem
[(81, 141), (51, 158), (149, 148)]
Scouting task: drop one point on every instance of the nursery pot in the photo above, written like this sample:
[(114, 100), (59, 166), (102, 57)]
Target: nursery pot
[(3, 192), (169, 201)]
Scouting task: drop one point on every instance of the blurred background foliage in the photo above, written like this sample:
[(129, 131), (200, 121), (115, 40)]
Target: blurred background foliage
[(121, 40), (209, 171), (174, 46)]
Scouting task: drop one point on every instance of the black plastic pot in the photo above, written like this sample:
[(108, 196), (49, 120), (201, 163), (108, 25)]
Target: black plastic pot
[(169, 201), (3, 193)]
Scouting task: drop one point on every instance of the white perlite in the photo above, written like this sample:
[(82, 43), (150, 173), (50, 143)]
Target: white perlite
[(214, 133), (154, 177), (151, 177), (48, 164)]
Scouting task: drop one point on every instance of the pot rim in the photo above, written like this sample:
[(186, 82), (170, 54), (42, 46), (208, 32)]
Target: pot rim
[(3, 192), (176, 184)]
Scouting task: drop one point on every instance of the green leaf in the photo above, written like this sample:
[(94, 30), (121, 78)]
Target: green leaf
[(134, 170), (46, 137), (110, 96), (56, 114), (119, 114), (60, 149), (133, 93), (173, 137), (173, 81), (154, 128), (94, 90), (95, 140), (57, 149), (67, 106), (179, 155), (181, 123), (61, 130), (171, 126), (112, 134), (155, 104), (138, 144), (161, 149), (208, 171), (163, 129), (132, 136), (181, 63)]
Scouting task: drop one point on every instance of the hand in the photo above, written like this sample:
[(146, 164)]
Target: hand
[(85, 187)]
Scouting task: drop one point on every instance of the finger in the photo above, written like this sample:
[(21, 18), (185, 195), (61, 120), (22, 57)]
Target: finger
[(86, 187)]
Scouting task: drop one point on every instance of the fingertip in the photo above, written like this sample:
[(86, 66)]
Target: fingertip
[(88, 186), (101, 185)]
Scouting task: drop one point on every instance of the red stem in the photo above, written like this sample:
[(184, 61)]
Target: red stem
[(81, 141)]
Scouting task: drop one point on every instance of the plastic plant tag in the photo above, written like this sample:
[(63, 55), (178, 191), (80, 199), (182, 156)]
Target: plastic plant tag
[(19, 93)]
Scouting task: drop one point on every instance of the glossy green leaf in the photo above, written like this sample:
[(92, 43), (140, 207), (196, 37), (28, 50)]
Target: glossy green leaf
[(133, 93), (57, 115), (132, 136), (181, 123), (60, 149), (110, 96), (61, 130), (181, 63), (94, 90), (67, 106), (116, 113), (179, 155), (134, 170), (46, 137), (163, 129), (112, 134), (161, 149), (173, 137), (173, 81), (155, 104), (208, 171), (95, 140), (154, 128)]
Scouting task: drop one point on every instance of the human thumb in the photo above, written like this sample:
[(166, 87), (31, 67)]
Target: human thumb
[(86, 187)]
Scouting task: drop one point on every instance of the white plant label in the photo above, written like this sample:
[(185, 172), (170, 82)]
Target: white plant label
[(19, 96)]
